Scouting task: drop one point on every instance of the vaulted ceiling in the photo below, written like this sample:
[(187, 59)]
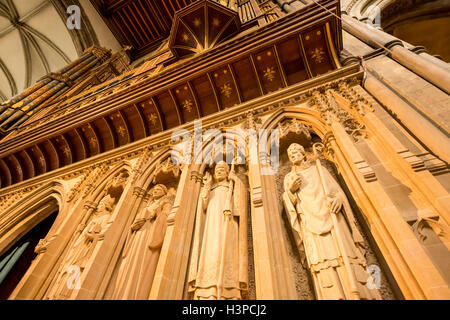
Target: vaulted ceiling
[(33, 42)]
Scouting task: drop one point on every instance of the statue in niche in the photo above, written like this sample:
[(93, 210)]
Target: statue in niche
[(143, 245), (219, 262), (86, 240), (324, 224)]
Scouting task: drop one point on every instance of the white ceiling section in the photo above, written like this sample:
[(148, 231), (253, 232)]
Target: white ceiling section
[(33, 42)]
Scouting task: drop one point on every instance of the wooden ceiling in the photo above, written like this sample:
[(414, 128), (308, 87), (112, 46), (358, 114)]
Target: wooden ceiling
[(141, 24), (202, 26)]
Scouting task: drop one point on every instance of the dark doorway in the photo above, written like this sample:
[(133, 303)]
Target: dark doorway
[(16, 261)]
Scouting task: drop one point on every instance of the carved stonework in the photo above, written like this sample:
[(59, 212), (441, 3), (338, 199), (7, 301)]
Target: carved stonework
[(219, 264), (323, 220), (88, 235), (331, 111), (41, 247), (139, 166), (92, 179), (142, 248)]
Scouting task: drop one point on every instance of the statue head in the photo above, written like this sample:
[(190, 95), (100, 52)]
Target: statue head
[(221, 171), (296, 153), (159, 191)]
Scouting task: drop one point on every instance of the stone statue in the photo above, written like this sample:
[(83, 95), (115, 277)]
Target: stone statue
[(325, 227), (86, 239), (219, 263), (143, 245)]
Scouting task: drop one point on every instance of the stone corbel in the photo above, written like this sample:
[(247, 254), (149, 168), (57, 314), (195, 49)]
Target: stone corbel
[(41, 246)]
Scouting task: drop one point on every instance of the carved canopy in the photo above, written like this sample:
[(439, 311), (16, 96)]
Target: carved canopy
[(201, 26)]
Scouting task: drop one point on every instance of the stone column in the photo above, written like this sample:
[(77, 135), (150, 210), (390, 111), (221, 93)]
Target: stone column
[(376, 38), (101, 265), (273, 274), (428, 133), (132, 206), (414, 272), (170, 275)]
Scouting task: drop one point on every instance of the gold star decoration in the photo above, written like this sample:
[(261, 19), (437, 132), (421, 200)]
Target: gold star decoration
[(121, 131), (226, 90), (187, 105), (185, 37), (216, 22), (269, 73), (318, 55), (197, 22), (66, 151), (93, 141), (152, 118)]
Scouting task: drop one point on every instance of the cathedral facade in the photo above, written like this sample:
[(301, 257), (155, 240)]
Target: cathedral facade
[(234, 150)]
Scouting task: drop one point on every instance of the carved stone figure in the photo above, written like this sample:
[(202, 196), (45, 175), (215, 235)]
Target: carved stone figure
[(219, 262), (86, 239), (323, 221), (143, 245)]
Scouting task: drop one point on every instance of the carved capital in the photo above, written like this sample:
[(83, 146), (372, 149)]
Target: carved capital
[(138, 192), (90, 205), (195, 175)]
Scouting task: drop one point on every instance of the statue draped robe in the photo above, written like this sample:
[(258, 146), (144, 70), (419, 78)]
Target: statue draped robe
[(141, 253), (310, 217), (81, 252), (219, 261)]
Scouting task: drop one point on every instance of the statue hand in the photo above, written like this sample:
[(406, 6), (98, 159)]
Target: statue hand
[(207, 179), (227, 214), (295, 185), (137, 224), (335, 204)]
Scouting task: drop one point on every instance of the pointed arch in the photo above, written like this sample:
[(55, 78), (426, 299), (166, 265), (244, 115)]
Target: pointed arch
[(29, 211), (124, 165)]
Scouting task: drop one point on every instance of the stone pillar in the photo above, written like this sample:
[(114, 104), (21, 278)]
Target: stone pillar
[(414, 272), (376, 38), (170, 275), (273, 275), (429, 134), (132, 206)]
